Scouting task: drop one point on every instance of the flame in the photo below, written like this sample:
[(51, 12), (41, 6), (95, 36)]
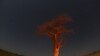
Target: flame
[(54, 30)]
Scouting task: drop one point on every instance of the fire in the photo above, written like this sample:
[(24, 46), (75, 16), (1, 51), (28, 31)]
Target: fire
[(54, 29)]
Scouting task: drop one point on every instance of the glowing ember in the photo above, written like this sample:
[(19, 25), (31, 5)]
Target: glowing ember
[(54, 30)]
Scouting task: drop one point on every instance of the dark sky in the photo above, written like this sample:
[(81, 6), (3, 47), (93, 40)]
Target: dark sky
[(19, 19)]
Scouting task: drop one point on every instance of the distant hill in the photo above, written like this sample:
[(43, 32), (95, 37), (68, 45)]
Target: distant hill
[(6, 53), (96, 53)]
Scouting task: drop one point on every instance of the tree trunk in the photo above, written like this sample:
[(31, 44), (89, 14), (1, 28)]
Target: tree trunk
[(56, 46)]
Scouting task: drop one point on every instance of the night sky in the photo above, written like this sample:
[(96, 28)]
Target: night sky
[(19, 19)]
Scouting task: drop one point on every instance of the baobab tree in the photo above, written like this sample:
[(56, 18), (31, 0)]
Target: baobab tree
[(54, 29)]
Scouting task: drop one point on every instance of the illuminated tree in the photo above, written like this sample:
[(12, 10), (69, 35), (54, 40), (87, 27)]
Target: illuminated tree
[(54, 29)]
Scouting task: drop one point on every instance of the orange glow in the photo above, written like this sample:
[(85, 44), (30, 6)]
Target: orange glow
[(54, 29)]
